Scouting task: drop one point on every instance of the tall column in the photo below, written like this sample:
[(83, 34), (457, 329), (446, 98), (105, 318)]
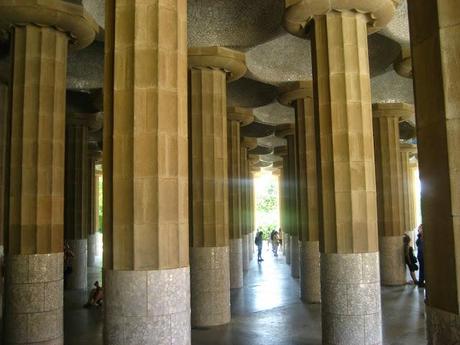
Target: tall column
[(93, 157), (236, 117), (406, 150), (145, 157), (252, 210), (435, 26), (300, 96), (35, 163), (288, 132), (390, 201), (246, 144), (284, 202), (350, 279), (209, 255), (3, 151), (76, 198)]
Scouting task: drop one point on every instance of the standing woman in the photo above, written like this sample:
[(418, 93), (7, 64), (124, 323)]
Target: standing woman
[(411, 260), (259, 242), (420, 245)]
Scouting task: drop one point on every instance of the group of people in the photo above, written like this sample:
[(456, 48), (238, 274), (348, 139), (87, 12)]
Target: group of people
[(412, 260), (275, 240)]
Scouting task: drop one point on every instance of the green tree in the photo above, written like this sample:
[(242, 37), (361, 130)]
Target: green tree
[(268, 202)]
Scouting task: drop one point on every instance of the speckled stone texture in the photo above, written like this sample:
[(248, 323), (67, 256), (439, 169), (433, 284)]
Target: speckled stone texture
[(443, 328), (147, 307), (92, 249), (210, 286), (34, 299), (288, 248), (350, 292), (251, 246), (392, 264), (310, 282), (295, 260), (236, 263), (245, 252), (78, 279)]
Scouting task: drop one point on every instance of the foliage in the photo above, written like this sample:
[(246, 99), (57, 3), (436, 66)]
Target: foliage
[(268, 201)]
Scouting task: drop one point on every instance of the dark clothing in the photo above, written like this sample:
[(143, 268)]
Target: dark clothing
[(420, 248), (411, 260), (259, 242)]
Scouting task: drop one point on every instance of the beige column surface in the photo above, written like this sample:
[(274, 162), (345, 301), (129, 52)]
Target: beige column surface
[(34, 215), (3, 151), (435, 28), (406, 150), (210, 69)]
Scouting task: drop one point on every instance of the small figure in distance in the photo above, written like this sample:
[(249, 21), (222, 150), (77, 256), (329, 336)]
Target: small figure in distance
[(411, 260), (68, 255), (275, 243), (420, 244), (259, 242), (96, 296)]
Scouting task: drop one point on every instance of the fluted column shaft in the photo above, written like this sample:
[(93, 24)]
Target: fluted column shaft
[(3, 163), (92, 208), (348, 210), (435, 26), (389, 192), (145, 161), (244, 205)]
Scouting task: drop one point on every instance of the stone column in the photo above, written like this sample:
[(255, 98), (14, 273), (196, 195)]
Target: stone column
[(3, 151), (288, 132), (389, 190), (252, 206), (236, 117), (406, 150), (76, 198), (145, 157), (35, 163), (93, 157), (284, 201), (434, 27), (300, 96), (350, 279), (246, 144), (209, 256)]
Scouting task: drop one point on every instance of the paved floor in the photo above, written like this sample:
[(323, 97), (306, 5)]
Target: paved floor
[(266, 311)]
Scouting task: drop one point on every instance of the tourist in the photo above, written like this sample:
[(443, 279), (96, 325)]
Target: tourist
[(95, 296), (275, 243), (259, 242), (420, 245), (411, 260)]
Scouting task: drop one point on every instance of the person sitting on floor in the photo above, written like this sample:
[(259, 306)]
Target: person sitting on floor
[(95, 296)]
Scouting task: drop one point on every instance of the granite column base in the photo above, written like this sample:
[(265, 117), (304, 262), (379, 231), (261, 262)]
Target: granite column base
[(34, 299), (245, 252), (210, 286), (295, 260), (350, 292), (78, 278), (236, 263), (442, 327), (288, 249), (251, 239), (147, 307), (392, 263), (92, 250), (310, 275)]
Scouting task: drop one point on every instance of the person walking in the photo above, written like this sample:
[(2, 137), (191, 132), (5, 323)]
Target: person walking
[(259, 241), (275, 243)]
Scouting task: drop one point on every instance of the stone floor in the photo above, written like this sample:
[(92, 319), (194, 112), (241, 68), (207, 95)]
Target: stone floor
[(266, 311)]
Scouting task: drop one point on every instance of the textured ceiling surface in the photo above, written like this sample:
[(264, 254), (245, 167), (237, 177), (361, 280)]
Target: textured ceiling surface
[(85, 68), (398, 28), (271, 141), (390, 87), (246, 92), (237, 23), (275, 113)]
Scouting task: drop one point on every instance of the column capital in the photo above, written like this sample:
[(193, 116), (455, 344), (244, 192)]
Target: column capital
[(70, 18), (240, 114), (281, 150), (401, 110), (278, 164), (91, 120), (410, 148), (249, 143), (230, 61), (299, 13), (298, 90), (285, 130), (403, 64)]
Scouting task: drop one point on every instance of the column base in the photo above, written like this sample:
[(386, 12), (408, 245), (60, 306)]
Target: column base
[(78, 278), (236, 263), (350, 292), (210, 286), (92, 250), (251, 239), (392, 263), (34, 299), (147, 307), (288, 249), (310, 278), (295, 260), (442, 327), (245, 253)]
